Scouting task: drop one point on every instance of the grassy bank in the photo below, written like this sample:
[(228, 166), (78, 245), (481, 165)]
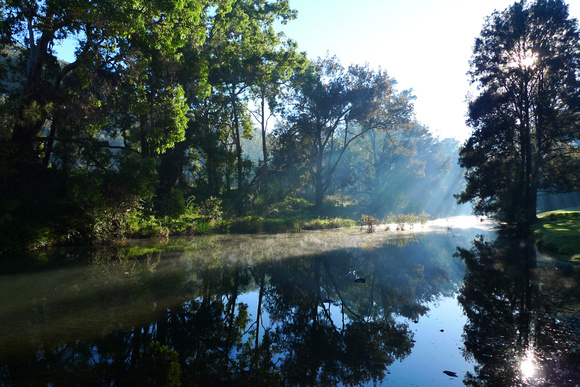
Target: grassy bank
[(242, 225), (559, 232), (290, 215)]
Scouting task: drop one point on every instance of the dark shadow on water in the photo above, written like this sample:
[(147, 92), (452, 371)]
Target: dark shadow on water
[(523, 316)]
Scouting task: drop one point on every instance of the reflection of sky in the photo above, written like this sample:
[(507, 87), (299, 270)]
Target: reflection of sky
[(434, 351), (75, 303), (251, 299)]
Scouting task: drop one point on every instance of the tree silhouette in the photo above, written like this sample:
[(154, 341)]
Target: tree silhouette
[(523, 318), (525, 65)]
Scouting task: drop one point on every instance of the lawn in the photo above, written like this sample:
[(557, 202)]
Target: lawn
[(559, 232)]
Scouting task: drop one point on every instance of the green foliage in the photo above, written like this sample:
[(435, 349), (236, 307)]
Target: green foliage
[(329, 108), (29, 219), (289, 206), (211, 208), (100, 217), (172, 205), (104, 200), (247, 225), (327, 223), (169, 126), (282, 225), (121, 42), (136, 174), (141, 226), (258, 225), (338, 206), (161, 365), (405, 171), (156, 104)]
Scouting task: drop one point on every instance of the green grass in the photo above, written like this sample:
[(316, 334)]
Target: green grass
[(559, 232), (254, 224), (152, 227)]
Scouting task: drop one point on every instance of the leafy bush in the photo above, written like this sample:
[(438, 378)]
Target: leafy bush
[(370, 222), (104, 200), (322, 224), (211, 209), (247, 225), (290, 206), (143, 226), (281, 225), (172, 205)]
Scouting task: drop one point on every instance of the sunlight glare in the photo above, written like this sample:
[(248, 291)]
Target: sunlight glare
[(526, 60), (527, 366), (529, 61)]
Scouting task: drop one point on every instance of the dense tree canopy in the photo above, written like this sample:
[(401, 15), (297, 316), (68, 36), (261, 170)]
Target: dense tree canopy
[(330, 108), (151, 120), (526, 65), (128, 39)]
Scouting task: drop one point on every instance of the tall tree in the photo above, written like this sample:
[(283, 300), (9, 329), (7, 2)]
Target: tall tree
[(110, 34), (62, 117), (329, 108), (241, 54), (271, 71), (243, 45), (526, 65)]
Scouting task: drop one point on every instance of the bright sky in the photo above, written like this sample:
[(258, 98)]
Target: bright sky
[(424, 44)]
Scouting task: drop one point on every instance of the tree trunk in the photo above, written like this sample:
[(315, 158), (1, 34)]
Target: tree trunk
[(238, 145), (530, 192), (264, 150), (23, 133), (532, 176), (318, 182), (318, 197), (318, 190), (171, 166), (144, 123), (262, 291)]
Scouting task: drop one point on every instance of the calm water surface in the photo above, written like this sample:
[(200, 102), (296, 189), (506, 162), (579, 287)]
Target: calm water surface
[(338, 307)]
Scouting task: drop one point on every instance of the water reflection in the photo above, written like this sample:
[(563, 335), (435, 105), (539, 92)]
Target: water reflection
[(308, 309), (523, 316), (528, 365)]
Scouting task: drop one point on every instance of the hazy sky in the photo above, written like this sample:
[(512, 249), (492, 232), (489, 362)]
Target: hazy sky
[(424, 44)]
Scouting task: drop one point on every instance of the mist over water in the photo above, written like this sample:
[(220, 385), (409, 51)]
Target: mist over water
[(337, 307)]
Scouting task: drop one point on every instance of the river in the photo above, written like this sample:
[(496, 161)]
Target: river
[(446, 303)]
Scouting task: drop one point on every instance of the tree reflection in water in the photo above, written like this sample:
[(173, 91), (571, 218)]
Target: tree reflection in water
[(187, 320), (523, 316)]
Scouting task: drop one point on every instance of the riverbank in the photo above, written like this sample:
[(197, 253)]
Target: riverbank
[(243, 225), (559, 232)]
